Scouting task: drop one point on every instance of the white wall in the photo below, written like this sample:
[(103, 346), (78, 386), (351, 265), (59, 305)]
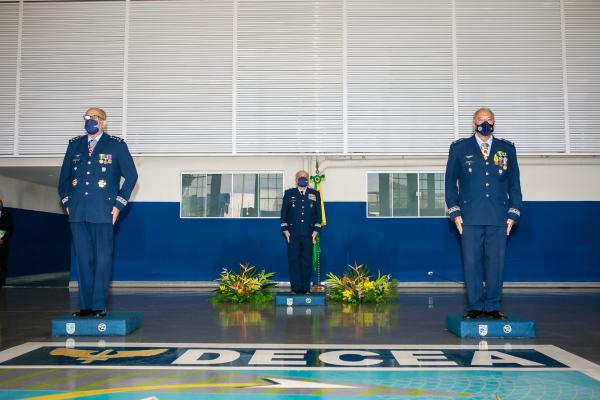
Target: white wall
[(16, 193), (558, 178), (543, 178)]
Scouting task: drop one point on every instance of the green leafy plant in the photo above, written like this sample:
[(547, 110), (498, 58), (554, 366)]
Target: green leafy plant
[(250, 285), (357, 285)]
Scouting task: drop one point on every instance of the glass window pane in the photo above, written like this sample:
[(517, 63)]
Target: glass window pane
[(193, 196), (404, 199), (432, 194), (244, 201), (233, 195), (218, 195), (270, 193), (379, 195)]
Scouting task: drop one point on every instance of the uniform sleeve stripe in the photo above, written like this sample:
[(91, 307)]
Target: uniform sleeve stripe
[(453, 209), (514, 211), (121, 200), (318, 225), (64, 200), (284, 224)]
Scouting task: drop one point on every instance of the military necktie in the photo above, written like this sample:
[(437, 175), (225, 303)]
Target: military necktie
[(485, 149), (91, 145)]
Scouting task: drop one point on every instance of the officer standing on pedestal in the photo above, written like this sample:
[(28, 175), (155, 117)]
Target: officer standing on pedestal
[(90, 189), (483, 195), (300, 223)]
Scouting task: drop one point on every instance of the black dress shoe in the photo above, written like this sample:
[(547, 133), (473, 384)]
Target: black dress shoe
[(496, 315), (99, 313), (472, 314), (82, 313)]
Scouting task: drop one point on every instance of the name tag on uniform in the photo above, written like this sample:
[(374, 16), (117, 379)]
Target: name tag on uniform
[(312, 197)]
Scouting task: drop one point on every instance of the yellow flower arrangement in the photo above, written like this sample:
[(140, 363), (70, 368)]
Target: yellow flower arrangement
[(357, 286), (249, 285), (347, 295)]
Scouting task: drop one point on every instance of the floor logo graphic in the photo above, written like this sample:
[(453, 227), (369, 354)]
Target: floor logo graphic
[(169, 371), (89, 356)]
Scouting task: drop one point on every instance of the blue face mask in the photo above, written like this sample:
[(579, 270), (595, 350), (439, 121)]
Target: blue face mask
[(91, 126), (302, 182), (485, 128)]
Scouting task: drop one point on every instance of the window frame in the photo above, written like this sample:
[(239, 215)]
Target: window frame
[(222, 172), (404, 171)]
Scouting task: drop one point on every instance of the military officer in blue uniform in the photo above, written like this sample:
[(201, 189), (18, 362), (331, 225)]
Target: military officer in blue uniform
[(91, 192), (483, 195), (301, 223)]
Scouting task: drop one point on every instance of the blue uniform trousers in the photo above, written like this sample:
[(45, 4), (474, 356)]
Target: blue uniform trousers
[(300, 251), (93, 244), (483, 248)]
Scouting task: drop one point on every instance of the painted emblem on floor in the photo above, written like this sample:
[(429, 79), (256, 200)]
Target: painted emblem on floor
[(195, 371), (324, 357), (89, 356)]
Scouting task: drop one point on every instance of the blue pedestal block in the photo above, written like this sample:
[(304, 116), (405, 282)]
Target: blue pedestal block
[(114, 324), (513, 327), (293, 300)]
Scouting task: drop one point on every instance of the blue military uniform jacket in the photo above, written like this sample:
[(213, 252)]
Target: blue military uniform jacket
[(301, 215), (483, 192), (90, 186)]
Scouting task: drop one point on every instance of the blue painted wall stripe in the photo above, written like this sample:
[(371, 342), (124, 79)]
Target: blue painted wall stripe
[(40, 243), (555, 241)]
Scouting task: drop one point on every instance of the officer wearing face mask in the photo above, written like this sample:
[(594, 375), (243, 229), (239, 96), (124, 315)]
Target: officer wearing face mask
[(90, 190), (300, 223), (483, 195)]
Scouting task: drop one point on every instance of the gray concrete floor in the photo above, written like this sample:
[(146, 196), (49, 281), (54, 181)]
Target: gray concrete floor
[(566, 318)]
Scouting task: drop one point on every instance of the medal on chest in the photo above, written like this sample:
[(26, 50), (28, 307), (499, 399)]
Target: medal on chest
[(501, 160), (105, 159)]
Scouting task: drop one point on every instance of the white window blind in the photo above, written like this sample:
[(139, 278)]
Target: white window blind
[(289, 76), (582, 23), (510, 59), (179, 76), (400, 96), (72, 59), (300, 76), (9, 20)]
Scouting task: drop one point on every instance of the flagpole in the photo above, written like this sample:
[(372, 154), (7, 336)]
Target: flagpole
[(317, 179)]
